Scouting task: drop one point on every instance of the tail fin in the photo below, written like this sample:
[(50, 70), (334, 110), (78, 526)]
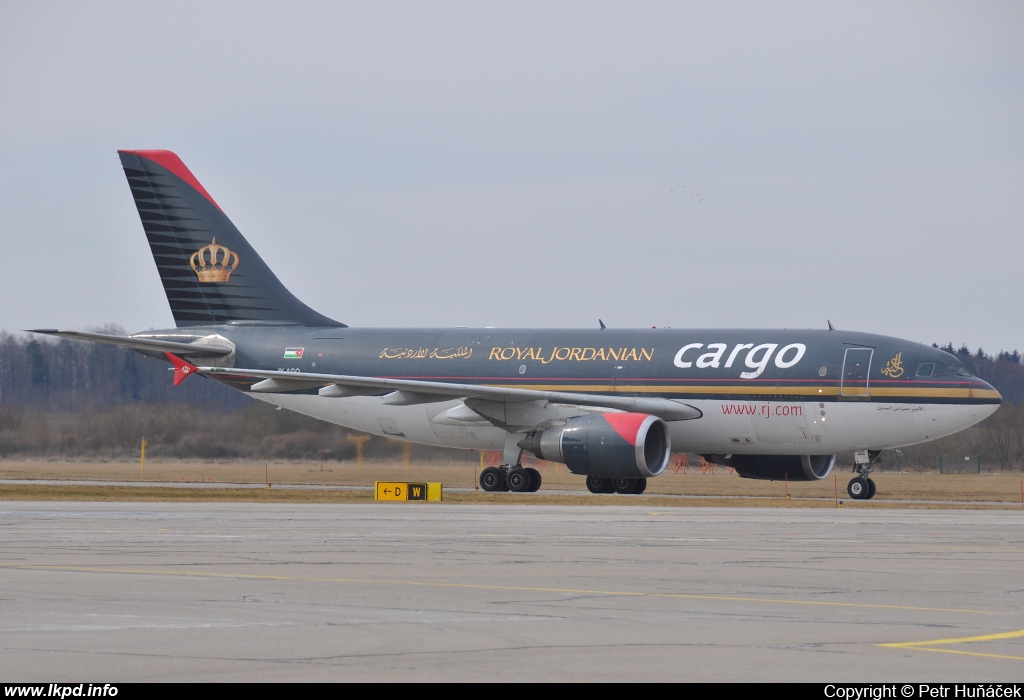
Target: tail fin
[(209, 271)]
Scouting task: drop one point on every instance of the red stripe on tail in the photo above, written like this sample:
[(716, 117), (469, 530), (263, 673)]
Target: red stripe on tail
[(172, 162)]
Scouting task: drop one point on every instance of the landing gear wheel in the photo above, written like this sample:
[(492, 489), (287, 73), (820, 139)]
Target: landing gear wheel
[(518, 480), (624, 485), (641, 486), (534, 478), (600, 484), (862, 487), (858, 488), (493, 479)]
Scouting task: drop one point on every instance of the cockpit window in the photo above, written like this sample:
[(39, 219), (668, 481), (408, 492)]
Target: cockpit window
[(961, 371), (925, 370), (941, 371)]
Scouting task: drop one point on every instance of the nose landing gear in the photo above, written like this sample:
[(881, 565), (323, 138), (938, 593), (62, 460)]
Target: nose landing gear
[(861, 487)]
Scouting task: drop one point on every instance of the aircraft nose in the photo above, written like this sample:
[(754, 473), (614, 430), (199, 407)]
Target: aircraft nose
[(985, 399), (984, 390)]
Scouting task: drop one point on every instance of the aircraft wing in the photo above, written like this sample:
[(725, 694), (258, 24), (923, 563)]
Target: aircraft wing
[(405, 392), (159, 346)]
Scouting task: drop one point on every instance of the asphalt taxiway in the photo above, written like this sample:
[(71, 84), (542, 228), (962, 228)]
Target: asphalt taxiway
[(424, 592)]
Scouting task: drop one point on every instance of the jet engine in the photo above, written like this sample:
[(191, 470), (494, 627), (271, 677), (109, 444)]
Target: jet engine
[(630, 445), (779, 467)]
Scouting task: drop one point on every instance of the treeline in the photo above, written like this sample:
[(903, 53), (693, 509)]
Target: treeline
[(69, 376), (1003, 370), (71, 399), (68, 399), (177, 430)]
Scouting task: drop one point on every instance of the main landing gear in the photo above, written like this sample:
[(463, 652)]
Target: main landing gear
[(606, 484), (512, 475), (510, 478), (861, 487)]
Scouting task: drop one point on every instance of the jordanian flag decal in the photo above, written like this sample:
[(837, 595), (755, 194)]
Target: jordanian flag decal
[(293, 353)]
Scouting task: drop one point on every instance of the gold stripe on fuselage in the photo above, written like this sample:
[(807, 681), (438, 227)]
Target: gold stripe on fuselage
[(747, 390)]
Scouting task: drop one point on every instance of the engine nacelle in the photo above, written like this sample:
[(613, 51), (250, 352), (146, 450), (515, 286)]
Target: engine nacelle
[(779, 467), (631, 445)]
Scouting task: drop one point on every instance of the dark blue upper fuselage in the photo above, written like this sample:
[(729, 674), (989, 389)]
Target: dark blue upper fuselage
[(829, 365)]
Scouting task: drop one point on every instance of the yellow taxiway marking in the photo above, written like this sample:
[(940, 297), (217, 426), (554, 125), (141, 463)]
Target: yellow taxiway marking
[(488, 587), (929, 645)]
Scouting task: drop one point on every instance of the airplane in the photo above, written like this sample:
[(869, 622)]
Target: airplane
[(610, 404)]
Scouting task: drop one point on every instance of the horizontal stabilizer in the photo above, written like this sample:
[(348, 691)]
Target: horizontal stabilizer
[(127, 341)]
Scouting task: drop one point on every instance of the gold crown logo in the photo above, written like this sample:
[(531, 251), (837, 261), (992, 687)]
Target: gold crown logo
[(214, 263)]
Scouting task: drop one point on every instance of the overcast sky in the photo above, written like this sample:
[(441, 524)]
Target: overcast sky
[(533, 164)]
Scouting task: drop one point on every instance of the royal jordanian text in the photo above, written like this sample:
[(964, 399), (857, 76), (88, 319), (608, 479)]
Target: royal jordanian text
[(923, 690), (61, 690), (572, 354)]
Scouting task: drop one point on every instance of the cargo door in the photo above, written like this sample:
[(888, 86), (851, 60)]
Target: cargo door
[(856, 372)]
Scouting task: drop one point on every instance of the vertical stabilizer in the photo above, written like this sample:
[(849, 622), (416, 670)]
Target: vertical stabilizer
[(209, 271)]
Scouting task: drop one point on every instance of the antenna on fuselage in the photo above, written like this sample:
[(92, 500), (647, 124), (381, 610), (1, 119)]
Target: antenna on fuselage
[(830, 326), (602, 324)]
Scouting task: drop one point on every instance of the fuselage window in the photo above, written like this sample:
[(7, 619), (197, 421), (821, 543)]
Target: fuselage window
[(925, 370), (941, 371)]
